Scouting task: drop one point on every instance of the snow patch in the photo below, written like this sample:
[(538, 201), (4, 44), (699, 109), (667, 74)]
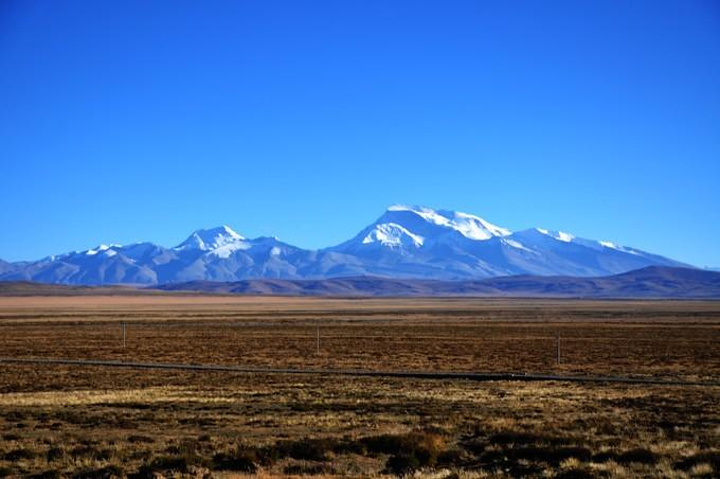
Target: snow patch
[(394, 235), (558, 235), (226, 250), (610, 244), (102, 248), (516, 244)]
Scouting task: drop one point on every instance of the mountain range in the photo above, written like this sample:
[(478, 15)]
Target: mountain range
[(405, 242)]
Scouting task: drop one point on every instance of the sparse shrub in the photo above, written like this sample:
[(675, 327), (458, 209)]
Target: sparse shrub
[(184, 447), (107, 472), (145, 472), (50, 474), (6, 471), (349, 445), (11, 437), (524, 438), (475, 446), (710, 457), (307, 449), (638, 455), (141, 454), (409, 451), (574, 474), (140, 439), (179, 463), (402, 464), (383, 444), (171, 463), (496, 459), (425, 446), (55, 453), (451, 457), (243, 460), (91, 452), (268, 455), (306, 469), (606, 456), (551, 454), (12, 416), (20, 454)]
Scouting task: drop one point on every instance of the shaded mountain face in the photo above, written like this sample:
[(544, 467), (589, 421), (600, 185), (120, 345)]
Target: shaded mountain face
[(405, 242), (650, 282), (6, 267)]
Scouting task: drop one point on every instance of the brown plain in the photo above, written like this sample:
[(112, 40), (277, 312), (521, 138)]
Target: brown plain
[(66, 420)]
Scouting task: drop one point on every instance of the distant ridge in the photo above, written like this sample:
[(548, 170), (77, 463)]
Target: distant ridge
[(29, 288), (646, 283), (651, 283)]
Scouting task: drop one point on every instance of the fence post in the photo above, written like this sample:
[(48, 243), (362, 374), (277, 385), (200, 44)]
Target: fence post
[(557, 348)]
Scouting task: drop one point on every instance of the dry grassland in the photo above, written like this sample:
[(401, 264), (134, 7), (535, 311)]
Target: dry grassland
[(60, 421)]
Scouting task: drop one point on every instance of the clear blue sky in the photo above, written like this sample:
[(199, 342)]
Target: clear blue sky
[(127, 121)]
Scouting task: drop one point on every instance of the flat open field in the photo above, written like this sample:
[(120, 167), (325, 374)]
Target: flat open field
[(95, 422)]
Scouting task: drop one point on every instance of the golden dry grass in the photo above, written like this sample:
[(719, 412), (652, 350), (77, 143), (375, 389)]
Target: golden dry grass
[(69, 421)]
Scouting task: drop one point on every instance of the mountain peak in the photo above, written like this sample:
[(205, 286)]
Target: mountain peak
[(471, 226), (210, 239)]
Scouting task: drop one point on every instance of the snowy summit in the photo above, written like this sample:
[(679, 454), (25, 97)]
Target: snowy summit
[(210, 239)]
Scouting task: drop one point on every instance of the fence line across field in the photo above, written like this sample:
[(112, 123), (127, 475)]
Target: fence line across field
[(469, 376), (142, 324)]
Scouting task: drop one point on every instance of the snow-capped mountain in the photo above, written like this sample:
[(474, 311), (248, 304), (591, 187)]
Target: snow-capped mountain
[(405, 242), (211, 239), (420, 242), (403, 227)]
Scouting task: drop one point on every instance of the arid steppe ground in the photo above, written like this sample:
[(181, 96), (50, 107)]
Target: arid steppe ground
[(72, 421)]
